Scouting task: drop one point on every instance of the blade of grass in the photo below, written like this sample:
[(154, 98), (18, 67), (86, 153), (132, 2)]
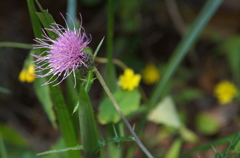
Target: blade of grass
[(181, 50), (3, 152), (88, 128), (37, 29), (71, 10), (185, 44), (209, 145), (79, 147), (16, 45), (110, 74), (65, 121), (43, 94)]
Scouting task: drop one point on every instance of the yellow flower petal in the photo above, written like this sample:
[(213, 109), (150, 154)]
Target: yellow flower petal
[(150, 74), (22, 75), (30, 78), (128, 80), (225, 91), (31, 69)]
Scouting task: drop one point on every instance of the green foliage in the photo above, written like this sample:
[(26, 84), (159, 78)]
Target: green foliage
[(174, 151), (188, 94), (188, 135), (110, 69), (12, 136), (206, 124), (165, 113), (231, 48), (128, 101), (232, 145), (160, 112), (3, 152), (88, 128), (62, 112), (43, 95)]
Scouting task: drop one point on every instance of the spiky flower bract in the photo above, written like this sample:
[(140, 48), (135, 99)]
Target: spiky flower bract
[(64, 54)]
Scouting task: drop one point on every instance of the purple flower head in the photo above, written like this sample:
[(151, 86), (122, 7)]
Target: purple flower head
[(64, 54)]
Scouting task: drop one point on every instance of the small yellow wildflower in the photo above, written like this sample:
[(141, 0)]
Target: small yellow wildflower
[(225, 91), (27, 75), (150, 74), (129, 80)]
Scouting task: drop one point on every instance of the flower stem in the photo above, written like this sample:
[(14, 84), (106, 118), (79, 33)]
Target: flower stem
[(105, 87), (115, 61), (16, 45)]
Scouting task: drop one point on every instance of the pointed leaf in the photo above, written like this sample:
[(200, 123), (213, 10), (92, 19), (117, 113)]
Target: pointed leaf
[(43, 95), (165, 113), (128, 101)]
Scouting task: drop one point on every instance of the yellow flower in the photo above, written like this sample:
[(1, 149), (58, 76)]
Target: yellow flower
[(129, 80), (225, 91), (22, 75), (150, 74), (27, 75)]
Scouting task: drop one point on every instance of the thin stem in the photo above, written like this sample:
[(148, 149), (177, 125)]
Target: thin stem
[(110, 68), (71, 10), (115, 61), (176, 16), (16, 45), (105, 87)]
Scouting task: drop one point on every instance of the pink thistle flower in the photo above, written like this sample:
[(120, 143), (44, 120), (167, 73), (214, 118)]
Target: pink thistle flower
[(64, 54)]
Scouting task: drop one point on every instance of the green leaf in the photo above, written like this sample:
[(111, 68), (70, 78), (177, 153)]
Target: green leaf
[(47, 20), (183, 47), (98, 47), (16, 45), (209, 145), (128, 101), (88, 127), (12, 136), (207, 124), (64, 120), (43, 95), (231, 48), (174, 151), (110, 67), (3, 152), (78, 147), (37, 29), (5, 90), (165, 113), (187, 95), (188, 135)]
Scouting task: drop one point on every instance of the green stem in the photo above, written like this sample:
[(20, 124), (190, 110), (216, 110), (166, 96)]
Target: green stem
[(71, 10), (88, 128), (226, 139), (110, 74), (105, 87), (3, 152), (16, 45), (65, 121)]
